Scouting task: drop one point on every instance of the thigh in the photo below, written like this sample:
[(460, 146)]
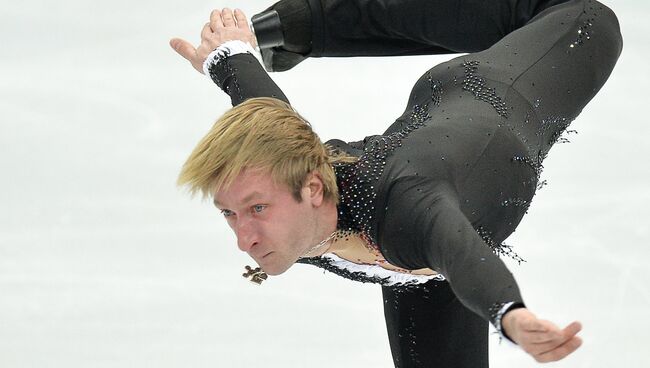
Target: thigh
[(534, 81), (429, 327)]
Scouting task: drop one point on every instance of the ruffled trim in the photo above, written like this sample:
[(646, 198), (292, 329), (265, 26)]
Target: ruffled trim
[(225, 50), (389, 277)]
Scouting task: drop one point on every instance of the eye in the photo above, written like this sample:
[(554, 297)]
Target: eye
[(226, 213), (259, 208)]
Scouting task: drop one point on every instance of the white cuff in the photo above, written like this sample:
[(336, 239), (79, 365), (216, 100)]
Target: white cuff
[(225, 50), (498, 324)]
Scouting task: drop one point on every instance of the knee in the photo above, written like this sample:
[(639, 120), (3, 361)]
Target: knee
[(607, 24)]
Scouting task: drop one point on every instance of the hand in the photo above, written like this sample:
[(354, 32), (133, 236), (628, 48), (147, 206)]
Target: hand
[(542, 339), (225, 25)]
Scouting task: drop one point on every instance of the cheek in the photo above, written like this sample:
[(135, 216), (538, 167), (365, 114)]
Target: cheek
[(285, 222)]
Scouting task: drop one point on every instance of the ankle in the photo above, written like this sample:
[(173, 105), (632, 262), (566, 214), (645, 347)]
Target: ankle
[(294, 25)]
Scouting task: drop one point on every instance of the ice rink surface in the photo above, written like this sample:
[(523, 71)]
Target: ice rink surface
[(105, 263)]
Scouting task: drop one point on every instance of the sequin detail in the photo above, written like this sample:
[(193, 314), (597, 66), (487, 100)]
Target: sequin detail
[(368, 273), (500, 249), (356, 181), (497, 310), (222, 72), (563, 139), (436, 90), (477, 86), (517, 202), (553, 126), (550, 130), (583, 30), (583, 34)]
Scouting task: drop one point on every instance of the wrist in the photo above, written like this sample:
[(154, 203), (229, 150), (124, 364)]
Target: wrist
[(225, 50), (510, 320)]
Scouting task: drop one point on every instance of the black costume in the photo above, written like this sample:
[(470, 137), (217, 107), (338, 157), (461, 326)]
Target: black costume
[(451, 178)]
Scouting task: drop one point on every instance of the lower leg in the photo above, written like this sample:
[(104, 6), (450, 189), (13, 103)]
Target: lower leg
[(429, 327), (399, 27)]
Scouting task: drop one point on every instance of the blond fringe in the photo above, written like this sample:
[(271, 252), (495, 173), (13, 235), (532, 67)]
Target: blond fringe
[(261, 133)]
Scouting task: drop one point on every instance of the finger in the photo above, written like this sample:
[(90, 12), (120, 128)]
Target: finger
[(183, 48), (572, 329), (546, 345), (539, 338), (227, 18), (215, 20), (206, 32), (565, 335), (535, 349), (535, 342), (561, 351), (240, 17), (551, 332)]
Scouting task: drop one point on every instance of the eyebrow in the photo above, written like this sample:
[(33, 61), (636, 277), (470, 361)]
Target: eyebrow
[(245, 200)]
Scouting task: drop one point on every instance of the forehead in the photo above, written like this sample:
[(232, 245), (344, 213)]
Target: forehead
[(249, 184)]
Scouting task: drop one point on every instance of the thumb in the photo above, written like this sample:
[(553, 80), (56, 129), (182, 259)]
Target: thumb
[(183, 48)]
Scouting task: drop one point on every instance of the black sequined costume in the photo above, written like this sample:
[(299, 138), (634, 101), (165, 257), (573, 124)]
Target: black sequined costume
[(451, 178)]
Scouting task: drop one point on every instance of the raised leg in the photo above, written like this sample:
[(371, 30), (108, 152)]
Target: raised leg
[(341, 28), (540, 76)]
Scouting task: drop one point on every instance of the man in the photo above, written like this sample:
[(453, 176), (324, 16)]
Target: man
[(423, 208)]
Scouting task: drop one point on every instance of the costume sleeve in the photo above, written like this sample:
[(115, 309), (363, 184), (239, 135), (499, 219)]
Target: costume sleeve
[(237, 72), (423, 226)]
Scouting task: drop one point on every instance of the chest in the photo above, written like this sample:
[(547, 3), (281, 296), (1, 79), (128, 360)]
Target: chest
[(358, 249)]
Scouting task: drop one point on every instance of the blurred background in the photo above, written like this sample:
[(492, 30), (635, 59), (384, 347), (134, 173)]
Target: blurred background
[(105, 263)]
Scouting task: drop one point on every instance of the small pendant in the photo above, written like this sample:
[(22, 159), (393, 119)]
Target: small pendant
[(257, 276)]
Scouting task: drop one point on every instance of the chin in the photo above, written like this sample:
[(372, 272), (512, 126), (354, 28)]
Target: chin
[(276, 268)]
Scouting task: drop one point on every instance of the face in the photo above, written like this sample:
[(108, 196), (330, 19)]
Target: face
[(270, 225)]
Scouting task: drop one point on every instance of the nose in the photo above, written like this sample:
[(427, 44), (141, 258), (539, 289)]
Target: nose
[(246, 235)]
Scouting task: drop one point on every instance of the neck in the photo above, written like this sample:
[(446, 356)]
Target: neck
[(328, 218)]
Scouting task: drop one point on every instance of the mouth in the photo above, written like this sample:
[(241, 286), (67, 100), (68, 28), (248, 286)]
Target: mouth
[(259, 256)]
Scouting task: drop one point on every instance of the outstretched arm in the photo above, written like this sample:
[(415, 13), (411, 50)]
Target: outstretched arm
[(225, 55), (428, 230)]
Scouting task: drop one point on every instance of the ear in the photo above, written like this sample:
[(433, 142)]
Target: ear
[(313, 188)]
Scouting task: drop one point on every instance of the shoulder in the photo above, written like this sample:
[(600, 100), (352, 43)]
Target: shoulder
[(412, 205), (413, 189)]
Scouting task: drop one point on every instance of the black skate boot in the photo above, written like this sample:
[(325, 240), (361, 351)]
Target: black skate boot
[(283, 34)]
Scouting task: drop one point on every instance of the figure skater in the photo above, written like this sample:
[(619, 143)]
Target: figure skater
[(422, 209)]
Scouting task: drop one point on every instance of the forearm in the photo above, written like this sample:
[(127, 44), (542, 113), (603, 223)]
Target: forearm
[(238, 73), (480, 280)]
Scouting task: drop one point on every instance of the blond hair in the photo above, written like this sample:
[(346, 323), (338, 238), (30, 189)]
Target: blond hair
[(263, 133)]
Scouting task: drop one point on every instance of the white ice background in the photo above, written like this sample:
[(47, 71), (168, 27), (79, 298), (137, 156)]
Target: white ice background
[(105, 263)]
